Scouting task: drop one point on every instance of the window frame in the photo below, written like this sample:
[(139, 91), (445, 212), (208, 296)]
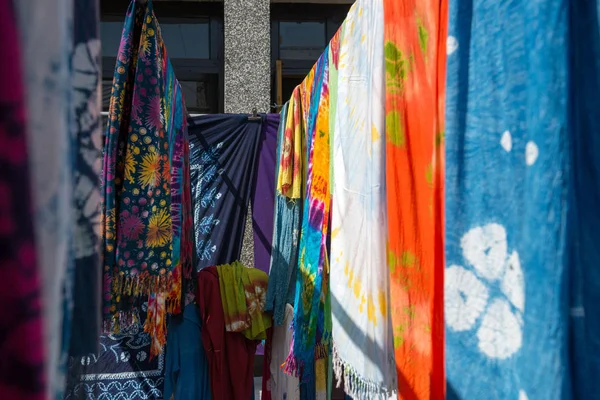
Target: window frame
[(186, 69), (332, 15)]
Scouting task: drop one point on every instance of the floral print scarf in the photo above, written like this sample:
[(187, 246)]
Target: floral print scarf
[(147, 207)]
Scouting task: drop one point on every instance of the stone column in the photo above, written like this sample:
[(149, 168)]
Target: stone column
[(247, 72), (247, 55)]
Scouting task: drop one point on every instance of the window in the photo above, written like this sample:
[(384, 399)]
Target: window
[(302, 40), (193, 35), (189, 39), (299, 35)]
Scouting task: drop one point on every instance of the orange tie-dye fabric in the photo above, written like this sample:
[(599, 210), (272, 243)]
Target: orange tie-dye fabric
[(415, 51)]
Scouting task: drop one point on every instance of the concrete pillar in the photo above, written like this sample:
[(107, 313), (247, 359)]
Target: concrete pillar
[(247, 55), (247, 72)]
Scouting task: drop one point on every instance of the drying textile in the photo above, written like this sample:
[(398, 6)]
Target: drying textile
[(266, 370), (230, 355), (243, 293), (263, 193), (47, 42), (584, 215), (123, 368), (415, 86), (263, 197), (223, 156), (507, 181), (147, 210), (291, 168), (22, 366), (363, 348), (87, 134), (282, 385), (310, 338), (186, 372), (286, 232)]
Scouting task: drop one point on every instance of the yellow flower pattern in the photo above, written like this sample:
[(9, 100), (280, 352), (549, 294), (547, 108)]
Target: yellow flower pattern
[(159, 229), (147, 205), (150, 170)]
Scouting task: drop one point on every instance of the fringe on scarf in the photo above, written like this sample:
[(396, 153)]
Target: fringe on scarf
[(121, 321), (293, 367), (164, 297), (356, 386)]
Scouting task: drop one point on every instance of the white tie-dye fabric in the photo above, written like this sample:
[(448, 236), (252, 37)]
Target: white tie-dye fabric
[(45, 27), (362, 334)]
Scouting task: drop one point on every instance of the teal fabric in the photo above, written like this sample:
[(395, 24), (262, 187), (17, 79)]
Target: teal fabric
[(186, 373), (284, 255)]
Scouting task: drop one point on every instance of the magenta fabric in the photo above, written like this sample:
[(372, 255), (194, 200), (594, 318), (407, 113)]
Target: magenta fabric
[(21, 340), (263, 193)]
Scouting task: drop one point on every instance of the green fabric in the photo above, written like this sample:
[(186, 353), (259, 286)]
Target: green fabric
[(243, 294)]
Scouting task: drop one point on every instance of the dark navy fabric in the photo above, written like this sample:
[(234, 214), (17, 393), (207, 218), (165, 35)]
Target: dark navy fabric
[(122, 370), (584, 214), (223, 157), (87, 308)]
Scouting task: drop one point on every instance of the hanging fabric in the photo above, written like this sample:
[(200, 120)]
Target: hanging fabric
[(263, 193), (286, 226), (508, 199), (224, 152), (147, 210), (47, 43), (230, 354), (186, 372), (363, 350), (243, 294), (583, 214), (282, 385), (121, 369), (415, 86), (310, 335), (87, 165), (23, 357)]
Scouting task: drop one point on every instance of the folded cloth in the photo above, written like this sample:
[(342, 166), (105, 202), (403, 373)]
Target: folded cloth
[(243, 294)]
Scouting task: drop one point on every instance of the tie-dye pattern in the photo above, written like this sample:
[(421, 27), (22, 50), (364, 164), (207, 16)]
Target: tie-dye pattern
[(415, 57), (363, 348), (147, 208), (313, 239), (289, 178), (518, 147)]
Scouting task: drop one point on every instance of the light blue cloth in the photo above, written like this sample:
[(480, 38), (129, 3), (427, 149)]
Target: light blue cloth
[(507, 191), (284, 255), (186, 372)]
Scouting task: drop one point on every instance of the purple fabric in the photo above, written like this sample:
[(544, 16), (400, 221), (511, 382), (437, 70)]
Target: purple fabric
[(263, 197), (263, 193)]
